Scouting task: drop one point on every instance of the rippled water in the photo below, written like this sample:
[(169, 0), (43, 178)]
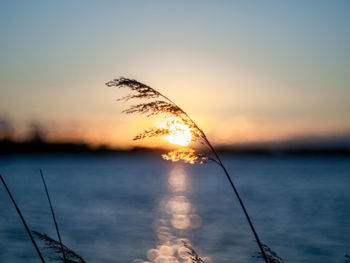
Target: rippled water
[(136, 207)]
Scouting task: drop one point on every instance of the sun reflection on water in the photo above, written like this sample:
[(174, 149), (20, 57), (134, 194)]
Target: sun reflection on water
[(176, 219)]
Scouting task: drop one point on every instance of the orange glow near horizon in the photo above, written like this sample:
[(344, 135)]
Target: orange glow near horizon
[(118, 131)]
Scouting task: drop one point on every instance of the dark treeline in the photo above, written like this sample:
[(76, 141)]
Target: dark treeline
[(29, 146), (36, 140), (34, 146), (285, 151)]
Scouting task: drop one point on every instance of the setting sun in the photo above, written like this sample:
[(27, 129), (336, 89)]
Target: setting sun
[(179, 133)]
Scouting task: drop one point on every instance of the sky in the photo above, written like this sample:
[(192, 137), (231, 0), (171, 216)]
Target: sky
[(246, 71)]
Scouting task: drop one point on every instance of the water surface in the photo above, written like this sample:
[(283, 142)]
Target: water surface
[(118, 208)]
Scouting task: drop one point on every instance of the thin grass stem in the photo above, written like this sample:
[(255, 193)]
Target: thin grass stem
[(241, 203), (219, 162), (53, 217), (23, 220)]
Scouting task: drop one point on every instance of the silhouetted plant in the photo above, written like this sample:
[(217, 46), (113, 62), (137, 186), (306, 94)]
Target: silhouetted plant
[(271, 255), (53, 217), (55, 250), (347, 258), (23, 220), (156, 103), (195, 258), (163, 105)]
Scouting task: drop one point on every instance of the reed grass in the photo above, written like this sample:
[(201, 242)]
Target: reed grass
[(55, 248), (271, 255), (195, 258), (53, 217), (156, 103), (23, 220)]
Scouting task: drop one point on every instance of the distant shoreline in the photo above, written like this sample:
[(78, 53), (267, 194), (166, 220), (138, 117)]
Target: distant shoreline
[(30, 147)]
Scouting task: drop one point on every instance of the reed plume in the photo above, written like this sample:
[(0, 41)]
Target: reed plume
[(156, 103), (55, 250), (195, 258), (347, 260), (163, 105), (271, 255)]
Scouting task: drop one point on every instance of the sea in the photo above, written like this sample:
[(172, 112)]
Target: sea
[(137, 207)]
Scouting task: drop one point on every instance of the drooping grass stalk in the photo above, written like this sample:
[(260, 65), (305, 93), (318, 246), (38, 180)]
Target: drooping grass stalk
[(219, 162), (55, 249), (195, 258), (270, 254), (23, 220), (163, 105), (53, 217), (241, 203)]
